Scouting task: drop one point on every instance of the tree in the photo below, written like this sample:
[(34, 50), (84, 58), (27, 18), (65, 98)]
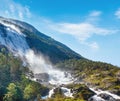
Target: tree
[(29, 92), (13, 94), (15, 65), (34, 90)]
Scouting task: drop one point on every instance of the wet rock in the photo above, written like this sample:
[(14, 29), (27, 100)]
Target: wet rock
[(106, 97), (81, 91), (95, 98), (102, 97), (42, 77), (57, 92), (116, 91)]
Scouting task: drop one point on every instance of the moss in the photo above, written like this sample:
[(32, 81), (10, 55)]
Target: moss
[(100, 75), (81, 91), (62, 99), (58, 93)]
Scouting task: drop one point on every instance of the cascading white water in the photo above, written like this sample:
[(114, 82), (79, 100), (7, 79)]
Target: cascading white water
[(97, 98), (51, 92), (15, 41), (67, 92), (58, 77), (39, 65), (98, 92)]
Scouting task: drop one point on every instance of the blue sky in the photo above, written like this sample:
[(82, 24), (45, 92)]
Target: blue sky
[(89, 27)]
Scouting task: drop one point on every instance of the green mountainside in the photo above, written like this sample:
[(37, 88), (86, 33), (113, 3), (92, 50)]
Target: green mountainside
[(14, 86), (15, 78), (96, 74), (42, 43)]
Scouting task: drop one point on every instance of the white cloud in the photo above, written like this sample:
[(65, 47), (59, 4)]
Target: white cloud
[(28, 13), (94, 46), (14, 10), (82, 31), (20, 14), (117, 13), (95, 13), (93, 17)]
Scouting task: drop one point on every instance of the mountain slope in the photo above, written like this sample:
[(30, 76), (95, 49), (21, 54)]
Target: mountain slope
[(95, 74), (24, 42), (33, 39)]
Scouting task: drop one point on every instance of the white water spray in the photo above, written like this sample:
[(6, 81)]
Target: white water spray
[(98, 92), (39, 65)]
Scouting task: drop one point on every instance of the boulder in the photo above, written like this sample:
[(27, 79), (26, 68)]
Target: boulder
[(42, 77), (81, 91), (106, 97)]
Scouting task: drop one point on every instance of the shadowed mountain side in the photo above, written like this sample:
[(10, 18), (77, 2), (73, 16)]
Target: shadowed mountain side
[(41, 43)]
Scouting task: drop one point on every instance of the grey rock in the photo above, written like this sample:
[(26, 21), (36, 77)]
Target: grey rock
[(42, 77)]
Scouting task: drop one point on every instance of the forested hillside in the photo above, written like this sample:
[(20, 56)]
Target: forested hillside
[(101, 75), (14, 85), (34, 66)]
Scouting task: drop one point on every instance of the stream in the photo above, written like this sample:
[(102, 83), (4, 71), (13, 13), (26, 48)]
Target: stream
[(58, 79), (104, 96)]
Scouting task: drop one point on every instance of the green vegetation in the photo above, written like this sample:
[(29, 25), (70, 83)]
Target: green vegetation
[(42, 43), (81, 91), (101, 75), (14, 86), (54, 50), (62, 99), (13, 93)]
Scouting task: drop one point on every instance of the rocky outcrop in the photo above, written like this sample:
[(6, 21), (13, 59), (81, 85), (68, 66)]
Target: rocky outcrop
[(102, 97), (42, 77), (107, 97), (81, 91)]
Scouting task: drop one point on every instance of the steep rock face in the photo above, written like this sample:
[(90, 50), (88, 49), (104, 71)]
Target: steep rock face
[(20, 36), (14, 41)]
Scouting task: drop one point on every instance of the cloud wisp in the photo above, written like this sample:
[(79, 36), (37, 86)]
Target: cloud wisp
[(117, 13), (14, 10), (95, 13), (82, 31)]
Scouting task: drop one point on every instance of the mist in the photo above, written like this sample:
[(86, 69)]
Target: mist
[(38, 64)]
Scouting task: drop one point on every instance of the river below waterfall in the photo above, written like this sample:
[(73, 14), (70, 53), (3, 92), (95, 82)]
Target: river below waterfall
[(58, 79), (103, 96)]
